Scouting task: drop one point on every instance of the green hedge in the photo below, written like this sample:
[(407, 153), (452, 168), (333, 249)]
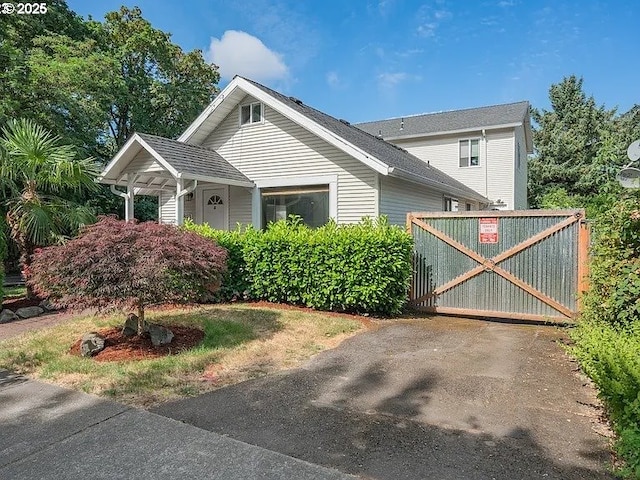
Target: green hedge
[(363, 268), (608, 336)]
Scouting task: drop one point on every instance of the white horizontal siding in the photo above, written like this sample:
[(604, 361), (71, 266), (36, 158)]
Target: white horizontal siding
[(143, 162), (239, 207), (501, 153), (167, 207), (279, 148), (493, 178), (397, 198)]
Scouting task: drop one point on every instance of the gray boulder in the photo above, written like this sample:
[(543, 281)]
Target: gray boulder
[(28, 312), (130, 325), (7, 315), (47, 306), (159, 335), (91, 344)]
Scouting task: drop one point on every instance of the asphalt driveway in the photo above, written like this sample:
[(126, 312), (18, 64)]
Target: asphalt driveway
[(442, 398)]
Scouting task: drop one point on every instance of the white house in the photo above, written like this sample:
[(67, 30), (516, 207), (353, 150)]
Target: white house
[(485, 148), (255, 155)]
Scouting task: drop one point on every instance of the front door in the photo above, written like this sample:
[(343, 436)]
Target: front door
[(214, 208)]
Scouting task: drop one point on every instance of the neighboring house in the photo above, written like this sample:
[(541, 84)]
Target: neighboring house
[(485, 148), (255, 156)]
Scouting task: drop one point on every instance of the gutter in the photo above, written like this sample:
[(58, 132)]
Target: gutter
[(465, 194)]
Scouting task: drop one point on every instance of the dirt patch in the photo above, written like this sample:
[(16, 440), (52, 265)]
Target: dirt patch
[(121, 348)]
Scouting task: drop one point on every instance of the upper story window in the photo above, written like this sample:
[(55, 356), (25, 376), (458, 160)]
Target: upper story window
[(470, 153), (251, 113)]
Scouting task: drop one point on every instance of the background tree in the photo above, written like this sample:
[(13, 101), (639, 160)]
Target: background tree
[(117, 264), (94, 83), (580, 147), (37, 176)]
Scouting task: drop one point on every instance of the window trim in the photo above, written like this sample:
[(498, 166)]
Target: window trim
[(446, 199), (251, 122), (470, 139)]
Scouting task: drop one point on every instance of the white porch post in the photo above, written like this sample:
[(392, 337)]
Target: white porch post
[(179, 201), (128, 201), (256, 208)]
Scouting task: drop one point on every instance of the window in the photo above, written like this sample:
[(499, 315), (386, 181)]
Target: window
[(251, 113), (469, 153), (450, 204), (518, 160), (311, 203), (469, 207)]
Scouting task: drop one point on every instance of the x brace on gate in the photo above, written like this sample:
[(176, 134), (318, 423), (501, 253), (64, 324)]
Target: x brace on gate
[(491, 264)]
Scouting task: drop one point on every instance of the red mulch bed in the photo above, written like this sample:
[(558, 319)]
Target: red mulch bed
[(14, 303), (121, 348)]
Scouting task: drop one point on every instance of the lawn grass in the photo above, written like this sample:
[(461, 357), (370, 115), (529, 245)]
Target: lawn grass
[(241, 342), (15, 291)]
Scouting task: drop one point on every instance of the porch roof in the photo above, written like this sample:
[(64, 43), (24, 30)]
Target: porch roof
[(173, 159)]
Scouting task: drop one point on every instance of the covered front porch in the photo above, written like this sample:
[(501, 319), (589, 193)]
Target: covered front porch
[(189, 181)]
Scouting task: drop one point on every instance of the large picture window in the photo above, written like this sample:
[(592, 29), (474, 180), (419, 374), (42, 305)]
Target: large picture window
[(469, 153), (310, 202)]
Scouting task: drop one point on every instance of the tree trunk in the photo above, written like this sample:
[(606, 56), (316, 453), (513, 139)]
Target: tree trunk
[(26, 254), (140, 319)]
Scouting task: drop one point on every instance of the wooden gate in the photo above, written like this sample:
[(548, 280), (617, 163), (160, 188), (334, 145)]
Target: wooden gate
[(528, 264)]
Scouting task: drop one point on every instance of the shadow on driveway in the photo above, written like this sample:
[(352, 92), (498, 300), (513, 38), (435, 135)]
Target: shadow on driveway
[(438, 398)]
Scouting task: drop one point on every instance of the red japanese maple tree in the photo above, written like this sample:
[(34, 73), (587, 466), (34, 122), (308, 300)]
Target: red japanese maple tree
[(118, 264)]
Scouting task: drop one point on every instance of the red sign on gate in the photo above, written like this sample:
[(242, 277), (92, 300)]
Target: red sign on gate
[(488, 230)]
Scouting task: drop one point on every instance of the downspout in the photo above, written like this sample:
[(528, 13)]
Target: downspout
[(128, 210), (486, 164)]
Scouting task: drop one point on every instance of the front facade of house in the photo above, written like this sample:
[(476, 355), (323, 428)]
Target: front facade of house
[(255, 156), (485, 148)]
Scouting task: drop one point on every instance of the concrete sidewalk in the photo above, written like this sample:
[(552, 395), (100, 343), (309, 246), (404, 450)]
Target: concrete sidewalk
[(48, 432)]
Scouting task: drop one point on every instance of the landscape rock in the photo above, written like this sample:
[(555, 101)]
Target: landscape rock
[(160, 335), (130, 325), (47, 306), (7, 315), (28, 312), (91, 344)]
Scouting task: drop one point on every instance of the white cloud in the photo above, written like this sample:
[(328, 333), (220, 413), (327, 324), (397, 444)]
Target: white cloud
[(333, 80), (391, 79), (238, 53), (430, 17)]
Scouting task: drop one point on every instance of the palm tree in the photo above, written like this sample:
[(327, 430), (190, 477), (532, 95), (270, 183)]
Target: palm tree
[(38, 176)]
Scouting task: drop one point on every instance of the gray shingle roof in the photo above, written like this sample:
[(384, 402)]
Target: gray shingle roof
[(430, 123), (190, 159), (398, 158)]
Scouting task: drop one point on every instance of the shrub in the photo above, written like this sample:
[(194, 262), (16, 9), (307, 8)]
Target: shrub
[(608, 336), (117, 264), (363, 268), (236, 281)]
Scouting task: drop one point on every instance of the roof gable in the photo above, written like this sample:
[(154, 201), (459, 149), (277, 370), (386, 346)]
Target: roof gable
[(179, 159)]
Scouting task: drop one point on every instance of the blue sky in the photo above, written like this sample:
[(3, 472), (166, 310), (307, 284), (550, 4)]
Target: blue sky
[(368, 60)]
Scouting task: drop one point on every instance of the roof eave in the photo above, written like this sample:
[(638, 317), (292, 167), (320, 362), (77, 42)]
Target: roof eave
[(465, 194), (454, 132), (225, 181)]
